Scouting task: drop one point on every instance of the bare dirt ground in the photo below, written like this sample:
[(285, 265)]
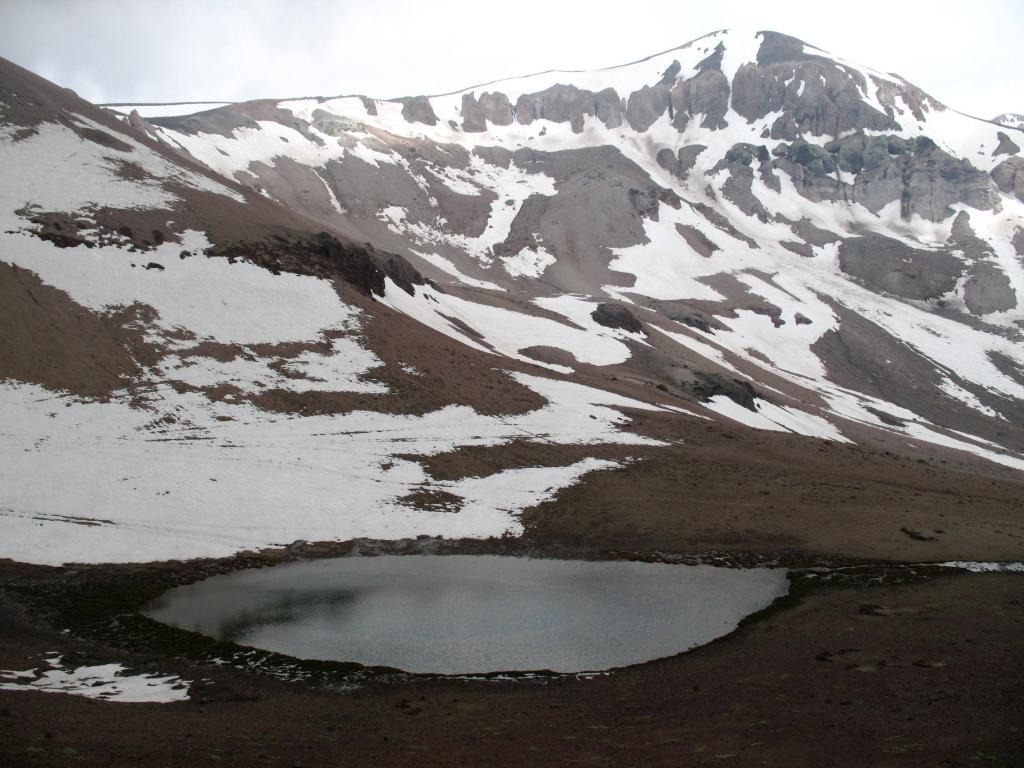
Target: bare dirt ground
[(735, 489), (879, 669)]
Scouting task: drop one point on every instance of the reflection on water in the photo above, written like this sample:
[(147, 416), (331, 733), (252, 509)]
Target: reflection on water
[(473, 613)]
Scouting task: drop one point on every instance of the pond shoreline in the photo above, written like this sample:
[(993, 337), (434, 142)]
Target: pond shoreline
[(886, 660)]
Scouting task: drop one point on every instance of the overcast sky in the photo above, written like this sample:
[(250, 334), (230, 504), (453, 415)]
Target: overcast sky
[(966, 54)]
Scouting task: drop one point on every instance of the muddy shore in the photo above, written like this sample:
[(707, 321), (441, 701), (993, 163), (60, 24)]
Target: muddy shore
[(870, 664)]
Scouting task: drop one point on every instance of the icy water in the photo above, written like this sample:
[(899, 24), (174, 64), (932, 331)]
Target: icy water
[(473, 613)]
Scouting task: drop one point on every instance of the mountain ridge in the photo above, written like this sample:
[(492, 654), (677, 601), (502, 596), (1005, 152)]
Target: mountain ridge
[(580, 294)]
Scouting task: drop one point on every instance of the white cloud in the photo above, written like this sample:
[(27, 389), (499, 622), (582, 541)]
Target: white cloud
[(966, 55)]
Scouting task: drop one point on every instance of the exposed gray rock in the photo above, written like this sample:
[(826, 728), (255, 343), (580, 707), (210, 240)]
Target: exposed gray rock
[(988, 290), (609, 107), (800, 249), (890, 265), (963, 238), (863, 356), (568, 104), (706, 93), (601, 200), (705, 386), (616, 316), (697, 240), (688, 156), (777, 48), (225, 120), (668, 77), (1018, 241), (645, 201), (473, 118), (785, 128), (135, 121), (1007, 365), (1006, 146), (645, 106), (362, 189), (812, 234), (938, 180), (738, 188), (679, 164), (417, 109), (497, 108), (695, 320), (810, 167), (817, 96), (369, 105), (332, 125), (401, 272), (722, 223), (494, 155), (925, 179), (1009, 176)]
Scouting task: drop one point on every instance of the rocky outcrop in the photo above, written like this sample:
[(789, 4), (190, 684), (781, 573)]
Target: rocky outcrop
[(490, 107), (602, 202), (697, 240), (1006, 146), (608, 106), (889, 265), (719, 221), (417, 109), (1009, 176), (645, 106), (324, 255), (569, 104), (738, 188), (705, 386), (680, 163), (806, 230), (817, 96), (616, 316), (707, 94), (369, 105), (645, 201), (497, 108), (473, 119), (924, 178), (964, 239), (988, 290), (800, 249)]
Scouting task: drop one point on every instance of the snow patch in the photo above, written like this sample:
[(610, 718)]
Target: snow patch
[(529, 262), (105, 682)]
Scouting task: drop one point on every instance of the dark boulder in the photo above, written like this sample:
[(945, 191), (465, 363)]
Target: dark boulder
[(1006, 145), (616, 316), (705, 386), (417, 109)]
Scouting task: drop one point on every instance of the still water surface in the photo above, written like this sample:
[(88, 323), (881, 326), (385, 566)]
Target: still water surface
[(473, 613)]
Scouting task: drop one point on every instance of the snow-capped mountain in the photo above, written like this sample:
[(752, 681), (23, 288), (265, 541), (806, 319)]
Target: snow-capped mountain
[(757, 208), (295, 312)]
